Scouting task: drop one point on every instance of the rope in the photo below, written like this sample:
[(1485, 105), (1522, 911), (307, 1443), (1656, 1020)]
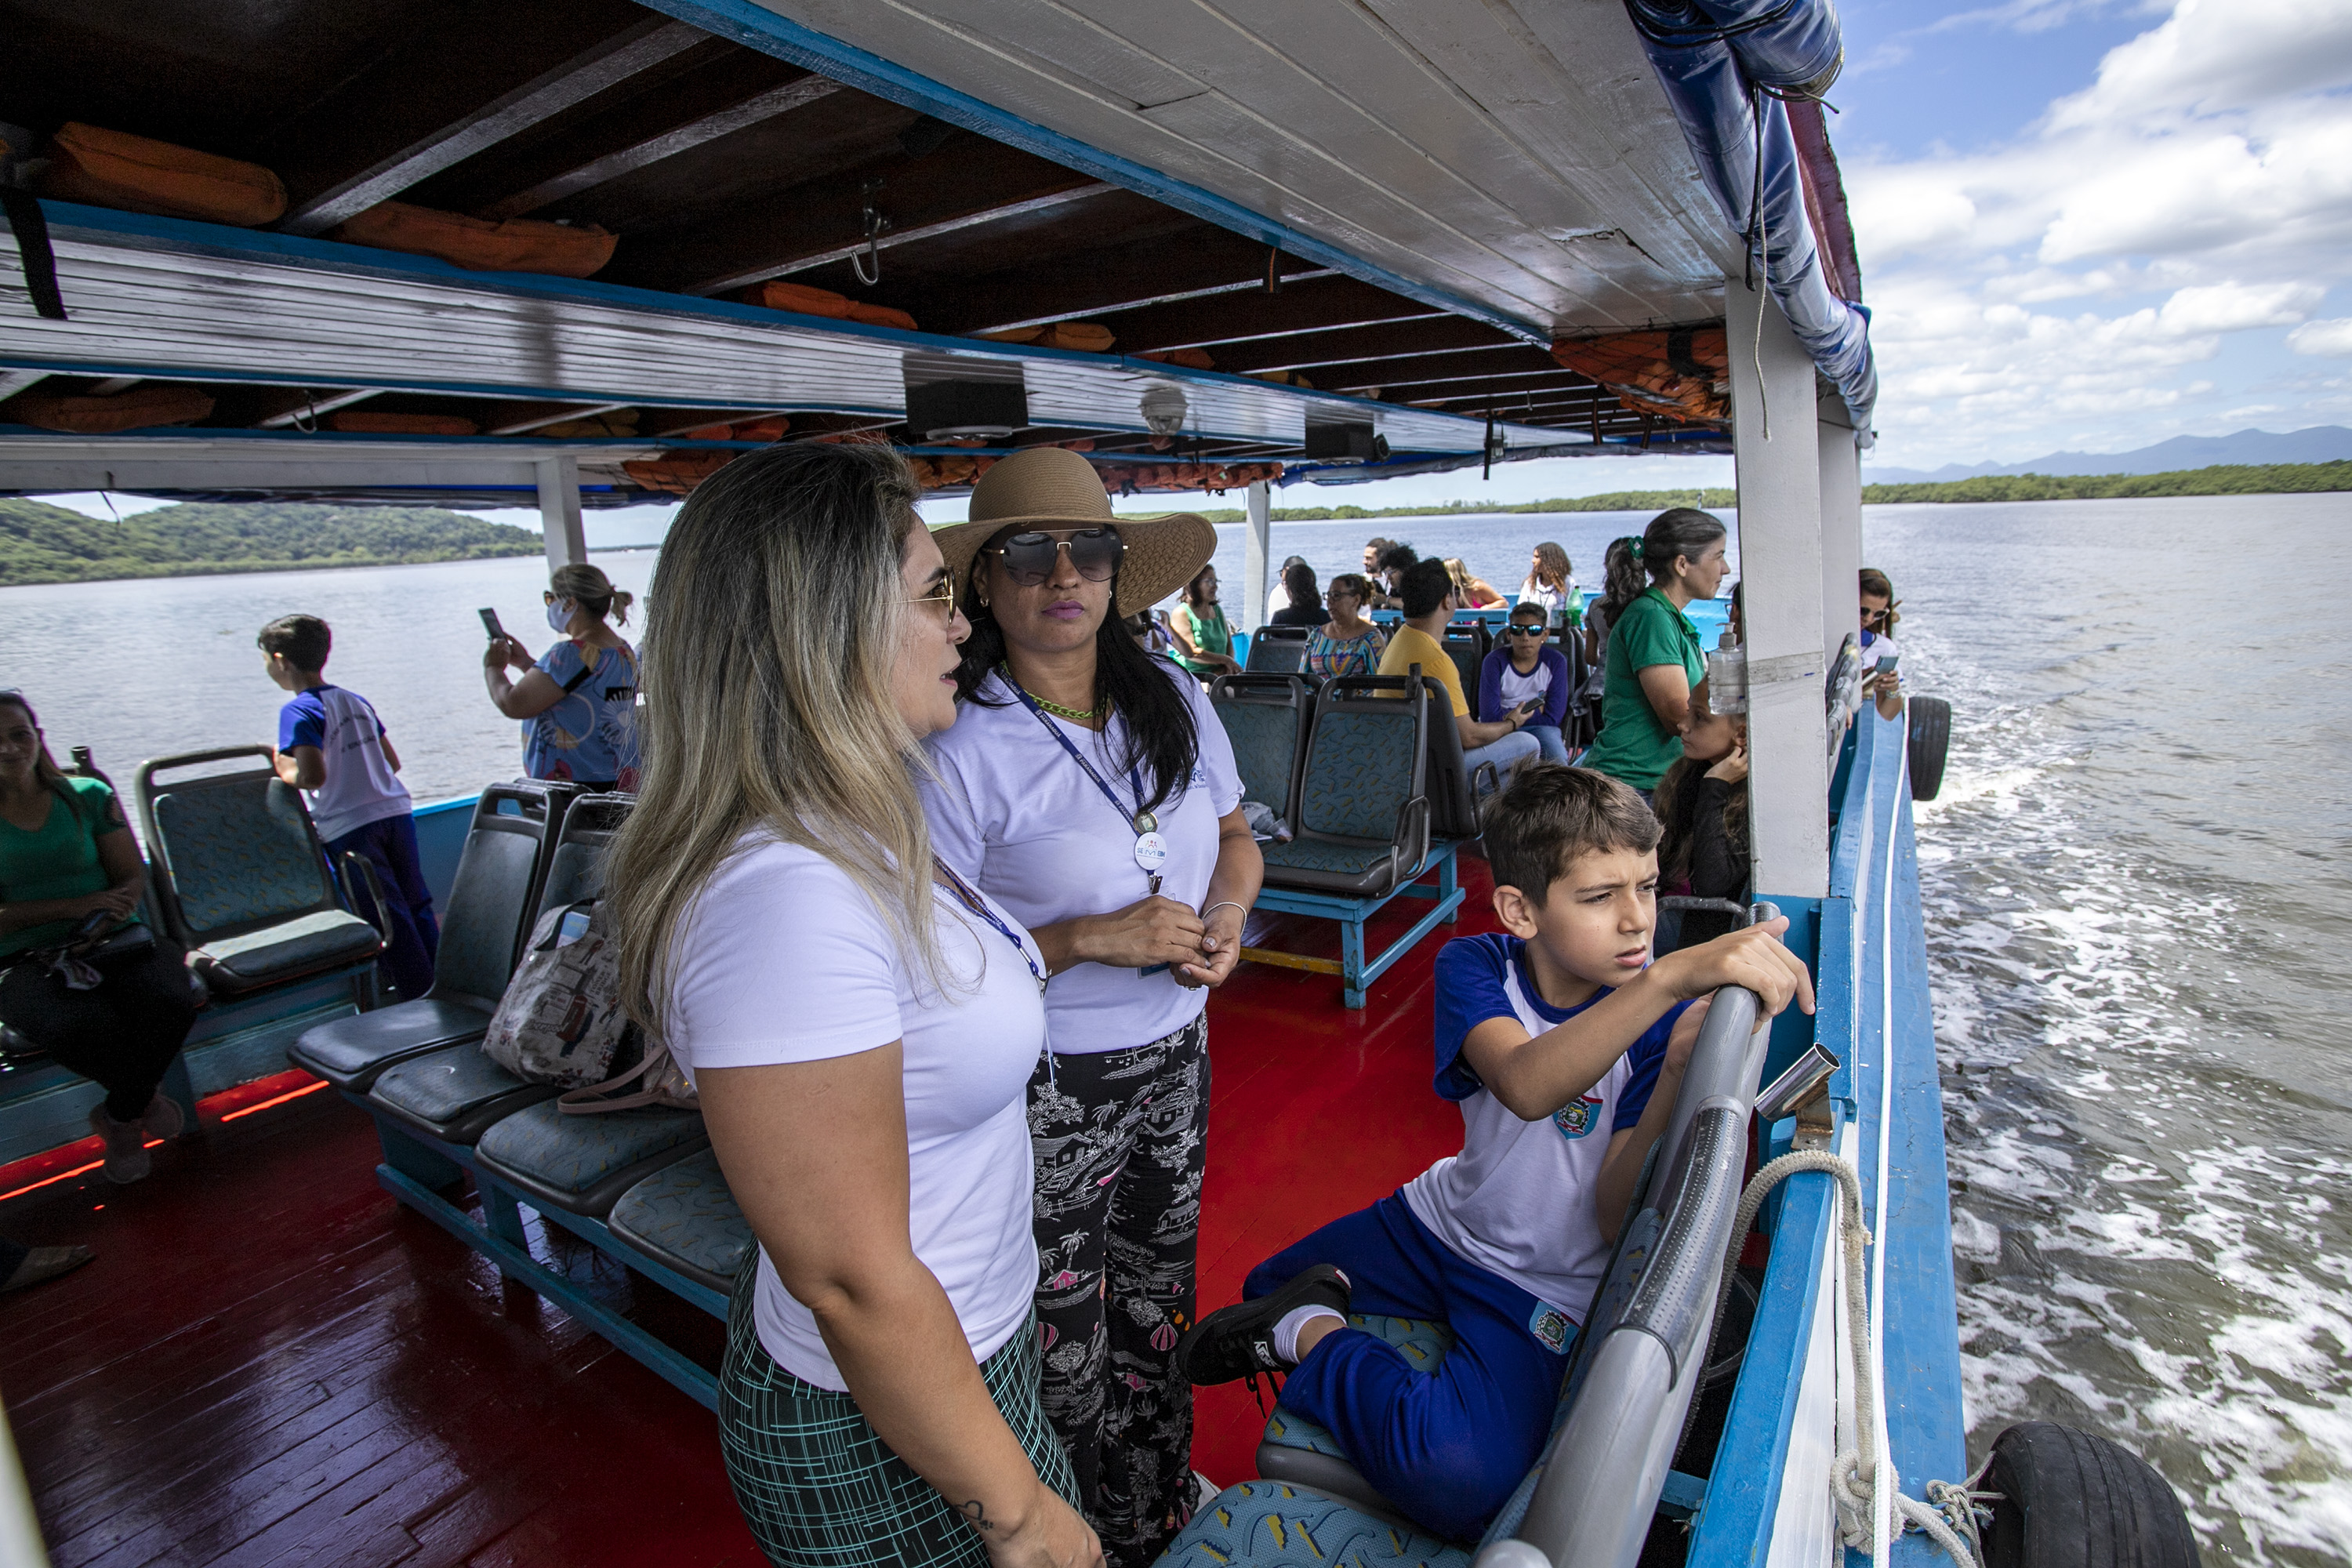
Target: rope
[(1947, 1517)]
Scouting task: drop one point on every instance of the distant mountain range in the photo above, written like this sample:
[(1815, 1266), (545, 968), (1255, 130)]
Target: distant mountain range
[(2320, 444)]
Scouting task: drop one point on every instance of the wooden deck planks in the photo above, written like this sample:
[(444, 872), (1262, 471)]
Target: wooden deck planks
[(272, 1364)]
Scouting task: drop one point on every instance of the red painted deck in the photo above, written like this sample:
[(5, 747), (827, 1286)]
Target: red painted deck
[(273, 1362)]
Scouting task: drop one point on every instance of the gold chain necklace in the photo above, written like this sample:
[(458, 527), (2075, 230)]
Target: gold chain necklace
[(1075, 715)]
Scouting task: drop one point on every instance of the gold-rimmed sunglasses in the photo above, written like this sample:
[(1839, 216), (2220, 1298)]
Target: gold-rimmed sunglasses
[(943, 597)]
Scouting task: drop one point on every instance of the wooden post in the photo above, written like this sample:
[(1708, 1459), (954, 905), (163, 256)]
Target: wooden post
[(1255, 586), (1778, 449), (559, 512)]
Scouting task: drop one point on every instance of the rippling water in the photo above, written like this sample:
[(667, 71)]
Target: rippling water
[(2138, 906)]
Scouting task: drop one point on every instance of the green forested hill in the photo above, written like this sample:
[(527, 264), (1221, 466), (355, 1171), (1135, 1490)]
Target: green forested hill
[(45, 544)]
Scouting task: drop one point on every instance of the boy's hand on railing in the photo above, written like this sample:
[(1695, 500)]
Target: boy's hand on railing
[(1753, 959)]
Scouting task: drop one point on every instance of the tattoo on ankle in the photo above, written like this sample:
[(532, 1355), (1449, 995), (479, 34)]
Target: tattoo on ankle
[(976, 1516)]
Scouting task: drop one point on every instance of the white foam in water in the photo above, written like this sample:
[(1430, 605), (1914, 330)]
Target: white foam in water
[(2139, 968)]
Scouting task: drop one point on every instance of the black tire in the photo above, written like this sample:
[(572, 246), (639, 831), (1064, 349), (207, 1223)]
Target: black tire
[(1931, 739), (2069, 1499)]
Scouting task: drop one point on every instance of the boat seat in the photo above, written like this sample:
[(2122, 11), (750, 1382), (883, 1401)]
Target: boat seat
[(683, 1217), (309, 945), (482, 929), (582, 1164), (1280, 1522), (1362, 820), (1453, 798), (1266, 718), (454, 1095), (1304, 1453)]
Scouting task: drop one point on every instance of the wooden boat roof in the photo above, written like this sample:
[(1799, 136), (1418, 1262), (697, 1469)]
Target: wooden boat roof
[(1400, 203)]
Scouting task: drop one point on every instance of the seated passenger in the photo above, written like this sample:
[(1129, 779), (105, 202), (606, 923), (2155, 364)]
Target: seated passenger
[(1277, 598), (1428, 593), (1525, 673), (1388, 577), (1204, 643), (1702, 807), (1473, 591), (1306, 607), (67, 863), (358, 802), (1879, 619), (1347, 643), (1565, 1047)]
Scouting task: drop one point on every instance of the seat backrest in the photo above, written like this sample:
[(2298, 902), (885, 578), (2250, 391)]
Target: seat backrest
[(1467, 644), (1367, 756), (576, 870), (233, 851), (1279, 650), (1452, 813), (1266, 718), (496, 890)]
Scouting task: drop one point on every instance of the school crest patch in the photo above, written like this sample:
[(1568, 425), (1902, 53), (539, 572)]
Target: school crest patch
[(1579, 1117), (1552, 1328)]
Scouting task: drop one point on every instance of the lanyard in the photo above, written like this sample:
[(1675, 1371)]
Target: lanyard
[(979, 906), (1151, 848)]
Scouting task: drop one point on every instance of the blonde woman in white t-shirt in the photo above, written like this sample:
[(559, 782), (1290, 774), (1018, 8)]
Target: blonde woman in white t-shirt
[(860, 1022)]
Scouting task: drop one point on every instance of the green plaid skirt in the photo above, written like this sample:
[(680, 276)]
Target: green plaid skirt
[(818, 1485)]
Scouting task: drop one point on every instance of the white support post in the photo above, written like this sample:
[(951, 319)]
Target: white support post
[(1841, 525), (559, 512), (1778, 452), (1255, 586)]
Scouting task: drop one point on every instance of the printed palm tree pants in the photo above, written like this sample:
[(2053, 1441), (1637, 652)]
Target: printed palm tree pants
[(1120, 1140)]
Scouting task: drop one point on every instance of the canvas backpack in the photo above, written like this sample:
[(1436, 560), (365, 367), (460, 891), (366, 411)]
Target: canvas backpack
[(560, 1020)]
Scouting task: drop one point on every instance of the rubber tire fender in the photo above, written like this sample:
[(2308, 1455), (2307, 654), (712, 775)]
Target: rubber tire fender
[(1930, 739), (2070, 1499)]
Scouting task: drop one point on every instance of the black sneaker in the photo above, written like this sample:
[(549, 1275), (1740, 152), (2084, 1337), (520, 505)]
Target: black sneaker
[(1238, 1341)]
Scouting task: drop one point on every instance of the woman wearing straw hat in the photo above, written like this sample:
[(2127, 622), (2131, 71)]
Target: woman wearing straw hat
[(1089, 788), (860, 1020)]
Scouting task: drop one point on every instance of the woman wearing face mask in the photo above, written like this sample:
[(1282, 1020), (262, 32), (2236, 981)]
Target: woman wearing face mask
[(1090, 789), (580, 699)]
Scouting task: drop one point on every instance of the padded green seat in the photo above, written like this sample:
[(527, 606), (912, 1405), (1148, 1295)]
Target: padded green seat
[(683, 1217), (1276, 1522), (350, 1052), (584, 1163), (1365, 870), (454, 1095), (1362, 823)]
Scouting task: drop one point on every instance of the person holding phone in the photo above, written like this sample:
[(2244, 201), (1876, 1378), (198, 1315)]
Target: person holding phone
[(80, 976), (1524, 675), (580, 701), (1879, 652)]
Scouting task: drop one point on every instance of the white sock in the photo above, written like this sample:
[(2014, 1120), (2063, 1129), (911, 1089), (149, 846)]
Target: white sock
[(1286, 1331)]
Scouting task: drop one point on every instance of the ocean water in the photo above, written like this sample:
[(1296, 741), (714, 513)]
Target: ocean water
[(2138, 909)]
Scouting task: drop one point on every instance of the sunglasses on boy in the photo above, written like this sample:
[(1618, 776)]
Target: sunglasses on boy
[(1518, 630), (1029, 558)]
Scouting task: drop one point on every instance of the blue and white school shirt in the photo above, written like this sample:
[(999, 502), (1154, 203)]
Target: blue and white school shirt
[(1518, 1200), (591, 733), (360, 787)]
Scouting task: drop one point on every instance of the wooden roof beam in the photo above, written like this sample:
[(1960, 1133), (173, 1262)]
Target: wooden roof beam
[(417, 110), (965, 182)]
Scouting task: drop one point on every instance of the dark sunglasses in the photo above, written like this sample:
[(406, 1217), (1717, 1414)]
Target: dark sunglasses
[(1029, 557), (1516, 630)]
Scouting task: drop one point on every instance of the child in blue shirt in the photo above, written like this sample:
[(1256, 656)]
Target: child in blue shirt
[(331, 743), (1564, 1045)]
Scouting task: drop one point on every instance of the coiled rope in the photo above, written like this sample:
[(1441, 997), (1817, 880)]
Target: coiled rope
[(1949, 1516)]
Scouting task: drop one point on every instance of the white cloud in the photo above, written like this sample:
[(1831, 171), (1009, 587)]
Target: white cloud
[(2200, 186), (2322, 337)]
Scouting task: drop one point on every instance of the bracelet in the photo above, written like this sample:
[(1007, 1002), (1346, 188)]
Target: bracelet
[(1224, 904)]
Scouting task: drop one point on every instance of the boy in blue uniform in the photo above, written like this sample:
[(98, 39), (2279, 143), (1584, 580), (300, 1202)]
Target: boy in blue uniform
[(331, 742), (1564, 1045)]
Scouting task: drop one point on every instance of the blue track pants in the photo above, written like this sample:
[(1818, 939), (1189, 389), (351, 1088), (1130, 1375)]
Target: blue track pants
[(412, 935), (1445, 1446)]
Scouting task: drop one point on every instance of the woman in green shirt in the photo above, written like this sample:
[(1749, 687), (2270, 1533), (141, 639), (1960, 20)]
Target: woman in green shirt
[(1204, 644), (1654, 661), (66, 854)]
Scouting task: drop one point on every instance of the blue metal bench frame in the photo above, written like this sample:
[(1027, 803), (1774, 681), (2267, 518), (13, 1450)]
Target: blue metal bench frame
[(1356, 975)]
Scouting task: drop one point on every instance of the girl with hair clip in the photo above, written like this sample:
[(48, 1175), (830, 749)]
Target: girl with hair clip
[(1655, 663), (579, 700), (860, 1020)]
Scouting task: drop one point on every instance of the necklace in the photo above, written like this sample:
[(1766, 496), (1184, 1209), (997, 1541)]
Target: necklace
[(1075, 715)]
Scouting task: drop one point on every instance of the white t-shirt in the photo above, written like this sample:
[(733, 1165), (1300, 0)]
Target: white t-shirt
[(1016, 814), (1518, 1200), (360, 787), (1516, 688), (1555, 601), (784, 959), (1277, 598)]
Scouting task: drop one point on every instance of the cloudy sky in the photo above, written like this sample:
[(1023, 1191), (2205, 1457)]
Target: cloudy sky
[(2085, 225)]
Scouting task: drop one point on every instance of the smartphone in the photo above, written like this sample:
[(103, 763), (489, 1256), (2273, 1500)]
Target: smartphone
[(1532, 705), (490, 625), (1886, 663)]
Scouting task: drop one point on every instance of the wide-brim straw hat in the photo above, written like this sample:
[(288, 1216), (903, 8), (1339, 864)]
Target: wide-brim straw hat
[(1050, 487)]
